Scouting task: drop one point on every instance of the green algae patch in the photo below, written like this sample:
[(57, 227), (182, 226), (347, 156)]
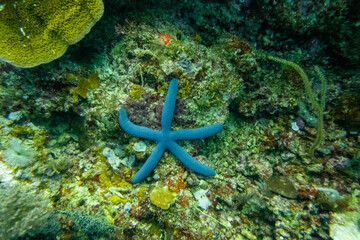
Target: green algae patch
[(84, 85), (34, 32), (136, 91), (38, 135)]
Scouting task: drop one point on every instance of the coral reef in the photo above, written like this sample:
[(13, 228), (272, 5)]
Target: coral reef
[(66, 165)]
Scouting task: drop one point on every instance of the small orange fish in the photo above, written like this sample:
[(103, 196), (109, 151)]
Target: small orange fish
[(165, 38)]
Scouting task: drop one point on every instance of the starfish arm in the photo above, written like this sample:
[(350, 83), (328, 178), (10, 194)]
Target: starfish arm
[(189, 161), (197, 133), (150, 163), (135, 130), (169, 106)]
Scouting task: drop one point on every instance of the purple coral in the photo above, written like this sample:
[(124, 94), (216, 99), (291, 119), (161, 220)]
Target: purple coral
[(140, 112), (300, 123)]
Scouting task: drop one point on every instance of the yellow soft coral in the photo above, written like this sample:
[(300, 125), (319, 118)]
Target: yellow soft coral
[(34, 32)]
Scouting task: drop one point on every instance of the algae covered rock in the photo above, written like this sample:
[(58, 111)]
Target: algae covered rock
[(345, 224), (34, 32), (281, 185)]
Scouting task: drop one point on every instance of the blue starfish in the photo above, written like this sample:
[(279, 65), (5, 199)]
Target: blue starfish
[(166, 139)]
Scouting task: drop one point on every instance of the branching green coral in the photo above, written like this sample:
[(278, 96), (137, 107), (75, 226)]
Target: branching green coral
[(319, 107), (92, 225)]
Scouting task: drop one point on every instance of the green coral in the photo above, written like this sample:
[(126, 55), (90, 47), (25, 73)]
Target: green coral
[(319, 107), (91, 225), (35, 32)]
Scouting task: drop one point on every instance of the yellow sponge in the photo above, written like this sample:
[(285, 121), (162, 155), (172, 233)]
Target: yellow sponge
[(34, 32), (162, 197)]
